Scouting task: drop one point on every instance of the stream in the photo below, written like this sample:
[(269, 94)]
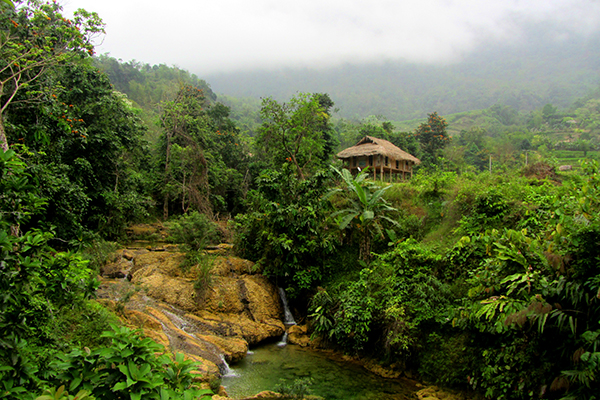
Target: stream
[(269, 365)]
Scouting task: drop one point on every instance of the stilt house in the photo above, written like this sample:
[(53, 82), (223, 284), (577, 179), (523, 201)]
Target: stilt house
[(384, 160)]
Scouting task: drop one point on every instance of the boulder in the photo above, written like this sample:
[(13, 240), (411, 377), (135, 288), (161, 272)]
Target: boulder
[(435, 393), (168, 262), (391, 372), (117, 270), (178, 292), (298, 334)]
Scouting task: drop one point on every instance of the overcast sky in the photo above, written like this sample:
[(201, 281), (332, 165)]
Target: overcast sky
[(227, 35)]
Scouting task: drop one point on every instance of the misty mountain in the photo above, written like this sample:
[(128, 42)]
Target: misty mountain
[(541, 69)]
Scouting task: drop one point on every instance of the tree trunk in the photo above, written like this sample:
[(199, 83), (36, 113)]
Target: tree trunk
[(167, 171), (365, 246), (3, 140)]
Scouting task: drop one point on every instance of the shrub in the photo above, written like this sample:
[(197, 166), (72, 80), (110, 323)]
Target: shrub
[(128, 368), (194, 230), (286, 233), (99, 253), (205, 277)]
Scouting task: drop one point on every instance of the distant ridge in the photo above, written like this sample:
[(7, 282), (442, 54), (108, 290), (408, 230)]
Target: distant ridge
[(525, 76)]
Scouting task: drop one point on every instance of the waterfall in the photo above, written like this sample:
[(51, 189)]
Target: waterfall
[(224, 368), (288, 317), (283, 341)]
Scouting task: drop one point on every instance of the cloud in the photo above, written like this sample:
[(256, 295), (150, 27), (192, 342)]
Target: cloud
[(226, 35)]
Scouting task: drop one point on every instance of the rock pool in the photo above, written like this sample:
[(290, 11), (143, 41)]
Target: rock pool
[(267, 366)]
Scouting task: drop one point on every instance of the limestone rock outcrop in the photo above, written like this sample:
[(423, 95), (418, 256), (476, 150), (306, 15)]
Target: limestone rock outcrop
[(298, 334), (211, 317)]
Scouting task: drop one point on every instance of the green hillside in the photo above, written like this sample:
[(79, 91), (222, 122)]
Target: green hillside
[(524, 76)]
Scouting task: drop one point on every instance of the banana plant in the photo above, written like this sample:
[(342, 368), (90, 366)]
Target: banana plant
[(367, 209)]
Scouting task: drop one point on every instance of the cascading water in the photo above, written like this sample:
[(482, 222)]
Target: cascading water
[(225, 370), (283, 341), (288, 317)]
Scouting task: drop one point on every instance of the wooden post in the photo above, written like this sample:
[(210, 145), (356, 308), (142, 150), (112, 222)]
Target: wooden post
[(375, 168)]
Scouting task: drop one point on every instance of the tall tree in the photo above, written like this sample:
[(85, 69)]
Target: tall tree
[(433, 137), (185, 168), (85, 151), (34, 38), (297, 132)]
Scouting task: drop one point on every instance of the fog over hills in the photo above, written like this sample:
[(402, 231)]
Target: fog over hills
[(543, 67)]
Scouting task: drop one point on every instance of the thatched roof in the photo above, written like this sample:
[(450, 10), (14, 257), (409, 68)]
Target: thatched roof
[(370, 146)]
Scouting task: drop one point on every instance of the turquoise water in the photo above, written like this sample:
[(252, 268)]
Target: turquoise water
[(267, 366)]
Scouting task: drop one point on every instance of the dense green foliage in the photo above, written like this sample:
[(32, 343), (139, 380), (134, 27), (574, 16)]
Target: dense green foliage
[(482, 272), (45, 297), (365, 211), (129, 369), (297, 132), (147, 86), (286, 232), (514, 284), (202, 157), (87, 156), (77, 168), (33, 38)]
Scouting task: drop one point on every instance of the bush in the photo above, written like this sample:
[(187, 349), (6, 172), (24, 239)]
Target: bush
[(286, 233), (195, 231), (128, 368), (205, 277), (99, 253), (447, 359)]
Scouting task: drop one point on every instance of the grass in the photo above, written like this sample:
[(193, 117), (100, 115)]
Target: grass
[(204, 272)]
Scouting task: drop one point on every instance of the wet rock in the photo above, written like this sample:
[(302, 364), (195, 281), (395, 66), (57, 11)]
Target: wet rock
[(435, 393), (128, 254), (151, 327), (222, 392), (176, 291), (298, 334), (266, 395), (169, 263), (118, 269), (392, 372), (197, 349), (234, 349), (220, 249)]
